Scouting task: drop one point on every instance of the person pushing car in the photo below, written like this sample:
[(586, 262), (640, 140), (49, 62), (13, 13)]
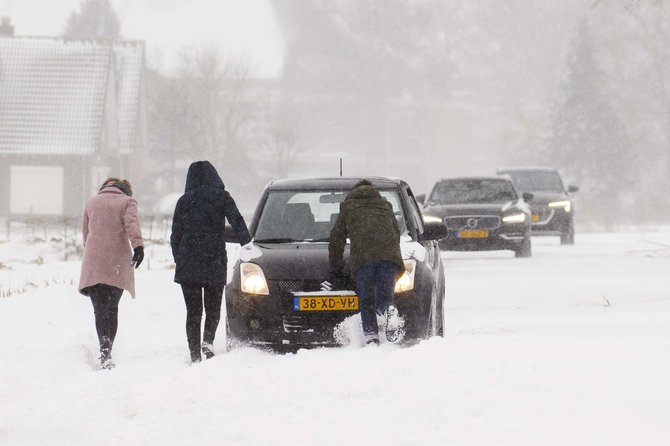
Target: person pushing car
[(367, 219)]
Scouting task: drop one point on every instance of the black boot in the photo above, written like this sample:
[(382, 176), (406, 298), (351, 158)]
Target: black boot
[(106, 361), (208, 350)]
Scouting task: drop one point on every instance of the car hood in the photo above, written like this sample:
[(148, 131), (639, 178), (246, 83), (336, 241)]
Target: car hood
[(295, 260), (467, 209), (543, 198), (303, 261)]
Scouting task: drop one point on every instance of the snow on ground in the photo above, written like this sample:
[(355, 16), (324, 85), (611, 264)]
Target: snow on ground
[(571, 346)]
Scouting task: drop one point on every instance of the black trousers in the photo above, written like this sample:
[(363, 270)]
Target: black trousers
[(105, 300), (193, 297)]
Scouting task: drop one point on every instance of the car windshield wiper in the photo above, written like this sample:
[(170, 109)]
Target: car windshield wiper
[(278, 240)]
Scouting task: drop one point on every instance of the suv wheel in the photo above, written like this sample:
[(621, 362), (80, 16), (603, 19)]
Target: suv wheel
[(568, 234), (525, 249)]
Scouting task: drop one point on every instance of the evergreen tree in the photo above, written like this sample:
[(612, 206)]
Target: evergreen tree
[(96, 19), (589, 141)]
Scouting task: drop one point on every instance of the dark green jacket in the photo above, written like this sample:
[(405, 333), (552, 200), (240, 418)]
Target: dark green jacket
[(367, 219)]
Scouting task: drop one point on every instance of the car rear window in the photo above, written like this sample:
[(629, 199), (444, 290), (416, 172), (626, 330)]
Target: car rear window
[(472, 191), (309, 215)]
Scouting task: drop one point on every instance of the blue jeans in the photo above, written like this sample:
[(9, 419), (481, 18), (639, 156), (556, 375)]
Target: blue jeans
[(375, 286)]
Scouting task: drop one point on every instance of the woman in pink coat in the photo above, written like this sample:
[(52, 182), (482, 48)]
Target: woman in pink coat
[(110, 229)]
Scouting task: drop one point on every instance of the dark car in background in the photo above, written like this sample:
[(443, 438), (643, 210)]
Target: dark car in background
[(481, 213), (276, 299), (553, 210)]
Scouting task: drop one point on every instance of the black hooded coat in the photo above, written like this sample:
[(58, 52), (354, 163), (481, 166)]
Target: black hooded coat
[(198, 247)]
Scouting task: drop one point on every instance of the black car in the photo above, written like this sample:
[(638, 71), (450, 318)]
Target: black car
[(553, 209), (276, 299), (481, 213)]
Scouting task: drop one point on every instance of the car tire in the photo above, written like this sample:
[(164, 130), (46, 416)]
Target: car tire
[(568, 234), (525, 250), (440, 312)]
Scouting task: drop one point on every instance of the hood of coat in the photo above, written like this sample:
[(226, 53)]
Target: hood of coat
[(202, 174), (365, 196)]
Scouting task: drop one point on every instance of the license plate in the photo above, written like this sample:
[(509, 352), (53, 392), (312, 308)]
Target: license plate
[(535, 218), (325, 303), (468, 233)]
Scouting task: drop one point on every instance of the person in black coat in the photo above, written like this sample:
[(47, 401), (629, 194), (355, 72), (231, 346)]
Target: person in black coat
[(199, 251)]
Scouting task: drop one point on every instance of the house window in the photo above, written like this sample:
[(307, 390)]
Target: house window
[(36, 190)]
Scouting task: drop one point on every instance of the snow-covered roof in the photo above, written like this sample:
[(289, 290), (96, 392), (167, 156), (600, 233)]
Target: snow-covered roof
[(53, 93)]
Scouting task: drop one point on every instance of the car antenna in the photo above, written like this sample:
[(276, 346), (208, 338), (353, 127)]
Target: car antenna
[(340, 166)]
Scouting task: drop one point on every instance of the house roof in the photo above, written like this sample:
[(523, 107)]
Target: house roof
[(53, 94)]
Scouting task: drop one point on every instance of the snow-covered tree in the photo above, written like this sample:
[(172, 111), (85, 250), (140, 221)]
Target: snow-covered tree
[(589, 140), (96, 19)]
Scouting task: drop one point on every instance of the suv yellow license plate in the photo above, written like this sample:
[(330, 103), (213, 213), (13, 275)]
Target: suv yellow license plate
[(325, 303), (535, 218), (467, 233)]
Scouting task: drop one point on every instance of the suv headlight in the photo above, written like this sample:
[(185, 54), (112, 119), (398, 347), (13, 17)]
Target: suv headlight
[(253, 280), (406, 281), (515, 218), (566, 205), (431, 219)]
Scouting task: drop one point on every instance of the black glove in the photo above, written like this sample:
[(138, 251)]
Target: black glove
[(138, 256)]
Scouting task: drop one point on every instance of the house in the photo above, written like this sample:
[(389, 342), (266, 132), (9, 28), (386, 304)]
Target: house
[(72, 113)]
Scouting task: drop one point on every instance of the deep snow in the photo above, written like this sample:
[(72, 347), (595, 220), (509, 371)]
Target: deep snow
[(571, 346)]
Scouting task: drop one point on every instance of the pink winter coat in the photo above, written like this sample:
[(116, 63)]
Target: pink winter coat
[(110, 229)]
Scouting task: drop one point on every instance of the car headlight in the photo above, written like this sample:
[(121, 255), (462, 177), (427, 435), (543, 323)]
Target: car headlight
[(253, 280), (431, 219), (515, 218), (566, 205), (406, 281)]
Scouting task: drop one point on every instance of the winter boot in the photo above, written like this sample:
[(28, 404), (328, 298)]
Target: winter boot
[(371, 339), (394, 325), (208, 350), (195, 357), (106, 361)]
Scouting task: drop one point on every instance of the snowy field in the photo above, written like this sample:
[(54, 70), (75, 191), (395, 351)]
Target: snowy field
[(569, 347)]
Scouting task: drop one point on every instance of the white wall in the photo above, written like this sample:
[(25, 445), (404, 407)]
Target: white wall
[(36, 190)]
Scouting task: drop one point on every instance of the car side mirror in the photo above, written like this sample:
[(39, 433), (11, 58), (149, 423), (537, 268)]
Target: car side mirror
[(434, 231), (229, 235), (572, 189), (527, 197), (421, 198)]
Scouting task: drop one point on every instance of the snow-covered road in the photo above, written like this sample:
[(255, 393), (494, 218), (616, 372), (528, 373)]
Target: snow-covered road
[(571, 346)]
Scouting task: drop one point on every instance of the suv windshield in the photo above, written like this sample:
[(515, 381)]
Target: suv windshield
[(535, 181), (472, 191), (290, 216)]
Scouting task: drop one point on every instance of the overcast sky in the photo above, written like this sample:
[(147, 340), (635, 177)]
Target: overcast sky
[(243, 28)]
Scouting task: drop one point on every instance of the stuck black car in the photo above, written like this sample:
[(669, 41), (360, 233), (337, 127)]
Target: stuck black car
[(481, 213), (553, 210), (276, 299)]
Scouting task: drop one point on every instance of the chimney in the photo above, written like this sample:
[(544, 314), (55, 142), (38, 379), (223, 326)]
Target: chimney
[(6, 28)]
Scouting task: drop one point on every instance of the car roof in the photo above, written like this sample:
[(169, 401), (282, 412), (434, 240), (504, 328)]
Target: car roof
[(527, 169), (335, 183), (481, 177)]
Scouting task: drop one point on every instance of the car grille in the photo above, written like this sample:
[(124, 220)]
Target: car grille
[(472, 222), (291, 286), (294, 322), (544, 213)]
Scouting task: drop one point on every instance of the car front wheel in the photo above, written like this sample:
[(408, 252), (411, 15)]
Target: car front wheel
[(568, 234), (525, 249)]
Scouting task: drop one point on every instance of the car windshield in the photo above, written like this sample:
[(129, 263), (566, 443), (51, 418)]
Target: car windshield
[(473, 191), (290, 216), (547, 181)]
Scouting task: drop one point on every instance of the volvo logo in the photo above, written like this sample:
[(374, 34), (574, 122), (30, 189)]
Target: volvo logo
[(471, 223)]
